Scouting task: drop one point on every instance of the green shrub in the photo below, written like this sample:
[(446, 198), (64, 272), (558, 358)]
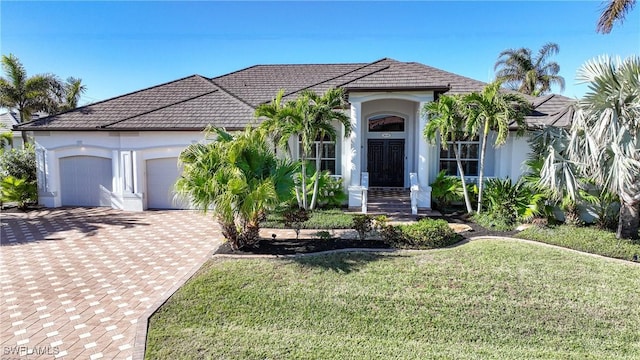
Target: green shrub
[(363, 224), (19, 163), (588, 239), (425, 234), (19, 191), (507, 203), (294, 217), (445, 190)]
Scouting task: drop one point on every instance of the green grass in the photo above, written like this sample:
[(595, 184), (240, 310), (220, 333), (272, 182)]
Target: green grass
[(588, 239), (488, 299), (318, 219)]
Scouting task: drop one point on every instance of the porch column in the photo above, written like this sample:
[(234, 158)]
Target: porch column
[(354, 156), (424, 156)]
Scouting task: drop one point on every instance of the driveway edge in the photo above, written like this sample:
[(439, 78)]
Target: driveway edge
[(140, 340)]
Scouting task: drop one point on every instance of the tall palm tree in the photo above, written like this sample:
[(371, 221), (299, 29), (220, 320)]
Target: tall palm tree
[(613, 10), (309, 117), (604, 141), (447, 122), (238, 178), (72, 90), (26, 94), (324, 110), (493, 110), (530, 75)]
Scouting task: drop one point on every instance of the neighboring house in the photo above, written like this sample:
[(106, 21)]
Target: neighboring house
[(122, 152), (10, 119)]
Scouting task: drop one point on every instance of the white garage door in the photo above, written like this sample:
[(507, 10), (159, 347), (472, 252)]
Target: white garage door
[(161, 176), (85, 181)]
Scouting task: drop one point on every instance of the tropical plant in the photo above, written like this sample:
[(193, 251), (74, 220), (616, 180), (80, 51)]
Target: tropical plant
[(330, 190), (238, 178), (613, 10), (26, 94), (513, 201), (604, 142), (446, 189), (309, 118), (21, 191), (528, 74), (6, 140), (447, 119), (493, 110)]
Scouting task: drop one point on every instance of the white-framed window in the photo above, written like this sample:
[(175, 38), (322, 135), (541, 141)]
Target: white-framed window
[(469, 151), (327, 154)]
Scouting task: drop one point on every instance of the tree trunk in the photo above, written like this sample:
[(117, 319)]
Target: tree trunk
[(295, 187), (314, 197), (629, 219), (25, 139), (481, 172), (304, 181), (467, 202)]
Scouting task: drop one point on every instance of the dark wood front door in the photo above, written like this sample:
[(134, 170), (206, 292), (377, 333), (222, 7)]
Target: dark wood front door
[(385, 162)]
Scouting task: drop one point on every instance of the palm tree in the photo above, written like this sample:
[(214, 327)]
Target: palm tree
[(520, 71), (72, 90), (446, 118), (324, 111), (308, 117), (239, 178), (26, 94), (604, 141), (613, 10), (492, 110)]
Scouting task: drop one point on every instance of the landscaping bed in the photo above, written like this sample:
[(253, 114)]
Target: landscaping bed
[(290, 246)]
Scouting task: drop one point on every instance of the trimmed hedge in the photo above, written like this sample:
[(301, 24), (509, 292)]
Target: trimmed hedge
[(425, 234)]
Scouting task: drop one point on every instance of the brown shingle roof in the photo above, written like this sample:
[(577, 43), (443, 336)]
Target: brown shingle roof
[(229, 100)]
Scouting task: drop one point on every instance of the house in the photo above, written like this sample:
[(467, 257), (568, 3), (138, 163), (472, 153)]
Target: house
[(122, 152), (11, 118)]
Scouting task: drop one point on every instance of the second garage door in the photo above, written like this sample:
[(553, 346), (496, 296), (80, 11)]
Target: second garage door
[(161, 176)]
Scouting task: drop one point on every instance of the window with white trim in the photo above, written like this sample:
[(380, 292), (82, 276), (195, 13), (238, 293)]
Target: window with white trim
[(469, 151), (327, 154)]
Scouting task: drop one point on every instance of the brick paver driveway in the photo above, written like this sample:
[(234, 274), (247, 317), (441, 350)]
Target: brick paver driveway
[(74, 282)]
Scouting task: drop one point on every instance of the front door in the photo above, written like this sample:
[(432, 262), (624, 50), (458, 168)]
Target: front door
[(385, 162)]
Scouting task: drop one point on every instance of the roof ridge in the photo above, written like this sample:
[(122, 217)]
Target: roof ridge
[(336, 77), (156, 109), (230, 93), (46, 118), (365, 75)]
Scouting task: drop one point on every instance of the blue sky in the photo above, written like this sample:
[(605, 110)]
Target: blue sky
[(123, 46)]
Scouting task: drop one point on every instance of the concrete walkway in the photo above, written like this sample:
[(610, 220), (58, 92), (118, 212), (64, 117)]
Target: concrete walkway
[(74, 282)]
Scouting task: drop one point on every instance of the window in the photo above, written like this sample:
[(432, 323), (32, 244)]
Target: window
[(327, 154), (386, 123), (469, 154)]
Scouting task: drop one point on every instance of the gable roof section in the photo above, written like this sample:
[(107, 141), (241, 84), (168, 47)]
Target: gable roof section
[(230, 100)]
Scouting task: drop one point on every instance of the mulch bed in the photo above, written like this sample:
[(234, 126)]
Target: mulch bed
[(305, 246)]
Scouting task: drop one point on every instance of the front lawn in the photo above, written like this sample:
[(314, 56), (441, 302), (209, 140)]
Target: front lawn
[(588, 239), (318, 219), (497, 299)]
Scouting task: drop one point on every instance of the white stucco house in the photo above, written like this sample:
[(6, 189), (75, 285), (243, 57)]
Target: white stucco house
[(122, 152)]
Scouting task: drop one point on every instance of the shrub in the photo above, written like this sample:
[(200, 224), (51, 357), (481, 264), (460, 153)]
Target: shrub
[(330, 191), (19, 163), (293, 218), (363, 224), (425, 234), (19, 191), (507, 203), (445, 190)]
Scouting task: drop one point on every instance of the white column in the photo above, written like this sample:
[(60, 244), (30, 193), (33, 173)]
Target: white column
[(354, 156), (424, 194)]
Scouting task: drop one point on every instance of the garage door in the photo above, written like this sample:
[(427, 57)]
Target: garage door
[(85, 181), (161, 176)]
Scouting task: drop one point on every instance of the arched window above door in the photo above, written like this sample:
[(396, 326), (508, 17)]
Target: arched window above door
[(386, 123)]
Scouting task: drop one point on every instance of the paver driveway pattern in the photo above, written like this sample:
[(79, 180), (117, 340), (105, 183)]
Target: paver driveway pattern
[(75, 281)]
